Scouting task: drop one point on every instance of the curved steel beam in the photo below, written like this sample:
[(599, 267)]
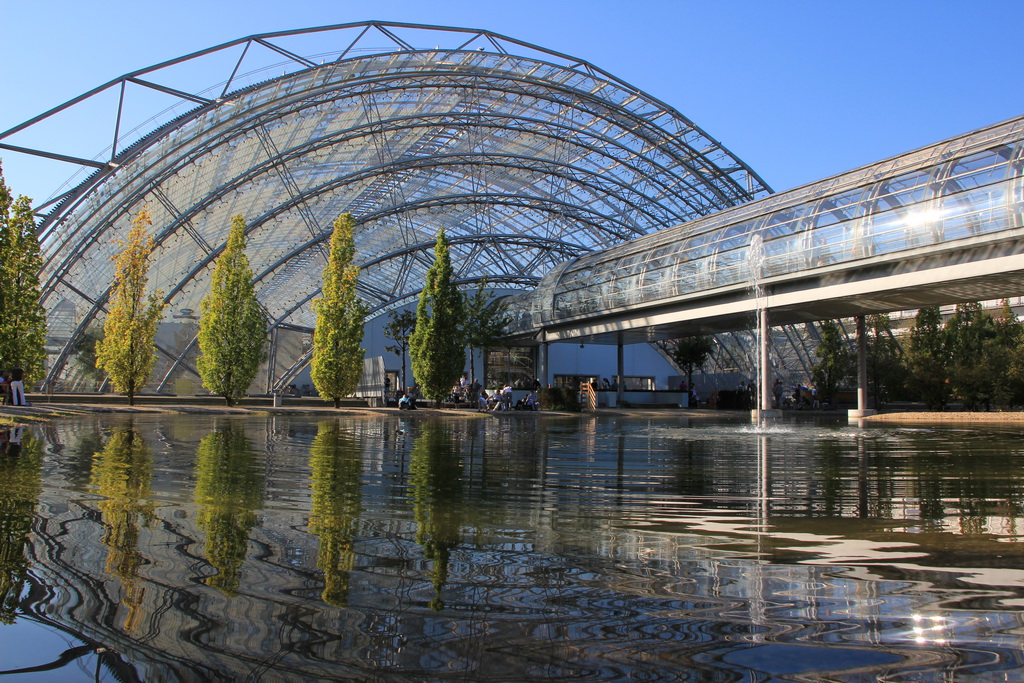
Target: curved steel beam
[(391, 125), (304, 96), (659, 109)]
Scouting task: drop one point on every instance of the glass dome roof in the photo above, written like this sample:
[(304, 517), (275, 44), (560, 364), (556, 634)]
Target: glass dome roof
[(526, 157)]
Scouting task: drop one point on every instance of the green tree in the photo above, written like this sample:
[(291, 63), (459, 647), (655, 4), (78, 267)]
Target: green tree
[(692, 352), (23, 320), (127, 352), (887, 371), (233, 325), (398, 329), (1006, 351), (85, 355), (436, 343), (336, 465), (928, 358), (833, 367), (337, 362), (967, 331), (229, 490), (486, 319)]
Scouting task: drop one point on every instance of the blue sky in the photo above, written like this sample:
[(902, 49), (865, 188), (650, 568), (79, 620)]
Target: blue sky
[(798, 90)]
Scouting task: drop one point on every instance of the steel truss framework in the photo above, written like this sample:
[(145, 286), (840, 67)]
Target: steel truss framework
[(526, 157)]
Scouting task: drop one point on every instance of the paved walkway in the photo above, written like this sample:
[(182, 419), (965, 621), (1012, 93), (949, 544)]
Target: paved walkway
[(60, 409)]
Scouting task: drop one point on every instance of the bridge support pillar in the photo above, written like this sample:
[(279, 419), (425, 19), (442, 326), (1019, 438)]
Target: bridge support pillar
[(765, 390), (619, 372), (542, 366), (763, 399), (862, 409)]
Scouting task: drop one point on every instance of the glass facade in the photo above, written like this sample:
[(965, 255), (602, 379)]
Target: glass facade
[(527, 158)]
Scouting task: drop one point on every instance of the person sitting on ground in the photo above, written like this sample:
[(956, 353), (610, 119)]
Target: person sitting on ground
[(530, 402), (481, 401)]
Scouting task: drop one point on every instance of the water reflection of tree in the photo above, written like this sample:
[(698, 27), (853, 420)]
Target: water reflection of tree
[(123, 474), (20, 486), (978, 478), (229, 490), (437, 494), (336, 461)]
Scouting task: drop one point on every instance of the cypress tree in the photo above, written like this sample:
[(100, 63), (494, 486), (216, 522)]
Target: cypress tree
[(337, 362), (127, 352), (232, 326), (23, 320), (436, 343)]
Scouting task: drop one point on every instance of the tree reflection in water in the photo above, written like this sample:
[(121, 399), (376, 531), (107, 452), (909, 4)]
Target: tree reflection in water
[(229, 490), (20, 486), (436, 489), (336, 462), (123, 474), (611, 549)]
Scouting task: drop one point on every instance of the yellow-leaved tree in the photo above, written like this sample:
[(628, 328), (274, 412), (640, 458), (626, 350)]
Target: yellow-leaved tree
[(127, 351)]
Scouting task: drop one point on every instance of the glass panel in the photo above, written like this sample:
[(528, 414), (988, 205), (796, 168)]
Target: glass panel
[(512, 366)]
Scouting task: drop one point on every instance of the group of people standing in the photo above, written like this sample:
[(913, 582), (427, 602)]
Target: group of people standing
[(12, 387)]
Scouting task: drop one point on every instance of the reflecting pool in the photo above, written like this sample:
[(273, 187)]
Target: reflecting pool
[(515, 548)]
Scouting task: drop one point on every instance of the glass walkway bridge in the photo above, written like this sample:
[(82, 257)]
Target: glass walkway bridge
[(940, 225)]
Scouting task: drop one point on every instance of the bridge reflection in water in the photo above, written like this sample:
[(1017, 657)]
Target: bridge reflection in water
[(188, 548)]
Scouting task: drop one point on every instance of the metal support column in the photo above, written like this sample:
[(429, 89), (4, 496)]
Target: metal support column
[(862, 409)]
